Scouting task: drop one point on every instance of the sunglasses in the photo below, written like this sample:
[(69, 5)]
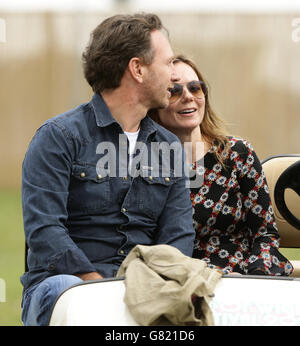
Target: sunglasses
[(196, 88)]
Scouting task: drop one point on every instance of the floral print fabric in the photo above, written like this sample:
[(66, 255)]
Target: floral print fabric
[(233, 215)]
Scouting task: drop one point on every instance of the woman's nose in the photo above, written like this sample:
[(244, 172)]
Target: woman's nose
[(187, 96)]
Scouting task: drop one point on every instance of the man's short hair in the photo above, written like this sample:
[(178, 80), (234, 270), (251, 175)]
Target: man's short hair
[(113, 43)]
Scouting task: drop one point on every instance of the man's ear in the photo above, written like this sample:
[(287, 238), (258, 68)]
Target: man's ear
[(136, 69)]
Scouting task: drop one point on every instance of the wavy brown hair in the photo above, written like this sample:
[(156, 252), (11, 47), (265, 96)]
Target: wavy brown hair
[(113, 43), (213, 128)]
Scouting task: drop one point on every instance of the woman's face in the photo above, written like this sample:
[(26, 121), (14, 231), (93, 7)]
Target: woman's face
[(187, 112)]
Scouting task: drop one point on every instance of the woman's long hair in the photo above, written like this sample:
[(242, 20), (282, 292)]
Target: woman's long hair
[(213, 128)]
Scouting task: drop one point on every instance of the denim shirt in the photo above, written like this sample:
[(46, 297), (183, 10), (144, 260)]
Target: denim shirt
[(78, 219)]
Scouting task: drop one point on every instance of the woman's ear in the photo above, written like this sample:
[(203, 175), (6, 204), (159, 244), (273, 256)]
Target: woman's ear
[(136, 69)]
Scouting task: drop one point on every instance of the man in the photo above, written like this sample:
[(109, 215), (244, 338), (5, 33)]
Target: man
[(81, 221)]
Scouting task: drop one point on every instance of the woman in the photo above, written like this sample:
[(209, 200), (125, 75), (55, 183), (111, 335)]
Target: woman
[(233, 215)]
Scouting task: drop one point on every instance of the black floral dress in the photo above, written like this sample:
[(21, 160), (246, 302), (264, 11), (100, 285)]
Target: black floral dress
[(233, 215)]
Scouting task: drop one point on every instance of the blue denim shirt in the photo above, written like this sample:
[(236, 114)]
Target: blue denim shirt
[(76, 218)]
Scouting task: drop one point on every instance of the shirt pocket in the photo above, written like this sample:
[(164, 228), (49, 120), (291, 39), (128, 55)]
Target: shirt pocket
[(89, 190), (153, 193)]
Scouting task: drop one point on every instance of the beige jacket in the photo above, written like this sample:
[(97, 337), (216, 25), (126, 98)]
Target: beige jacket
[(163, 286)]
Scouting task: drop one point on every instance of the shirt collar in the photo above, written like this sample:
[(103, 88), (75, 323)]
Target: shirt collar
[(102, 113), (104, 117)]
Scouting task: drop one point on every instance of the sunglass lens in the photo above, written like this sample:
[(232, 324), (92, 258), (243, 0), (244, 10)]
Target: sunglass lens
[(204, 88), (176, 92), (197, 88)]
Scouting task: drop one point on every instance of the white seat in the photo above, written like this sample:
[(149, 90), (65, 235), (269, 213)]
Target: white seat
[(238, 300), (98, 303)]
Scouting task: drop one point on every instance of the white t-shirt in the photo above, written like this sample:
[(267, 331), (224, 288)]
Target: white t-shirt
[(132, 137)]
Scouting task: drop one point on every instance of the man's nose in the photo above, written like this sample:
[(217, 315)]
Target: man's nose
[(174, 76)]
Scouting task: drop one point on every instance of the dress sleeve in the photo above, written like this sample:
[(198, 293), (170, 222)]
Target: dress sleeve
[(264, 256)]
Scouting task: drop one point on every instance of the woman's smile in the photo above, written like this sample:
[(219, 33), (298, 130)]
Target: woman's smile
[(187, 112)]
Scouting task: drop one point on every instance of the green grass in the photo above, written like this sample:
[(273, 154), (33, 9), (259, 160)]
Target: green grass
[(291, 254), (12, 256)]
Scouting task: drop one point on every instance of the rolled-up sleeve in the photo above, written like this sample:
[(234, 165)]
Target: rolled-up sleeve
[(45, 181)]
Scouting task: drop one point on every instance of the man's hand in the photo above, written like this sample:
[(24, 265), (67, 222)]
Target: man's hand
[(89, 276)]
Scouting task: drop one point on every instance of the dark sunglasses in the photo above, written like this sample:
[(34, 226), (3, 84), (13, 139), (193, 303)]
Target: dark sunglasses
[(196, 88)]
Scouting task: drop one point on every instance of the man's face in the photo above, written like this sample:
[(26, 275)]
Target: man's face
[(160, 73)]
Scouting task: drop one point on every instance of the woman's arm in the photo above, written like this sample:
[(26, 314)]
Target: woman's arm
[(264, 257)]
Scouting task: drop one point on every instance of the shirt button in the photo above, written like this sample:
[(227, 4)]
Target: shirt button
[(82, 174), (167, 179), (124, 210), (122, 252)]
